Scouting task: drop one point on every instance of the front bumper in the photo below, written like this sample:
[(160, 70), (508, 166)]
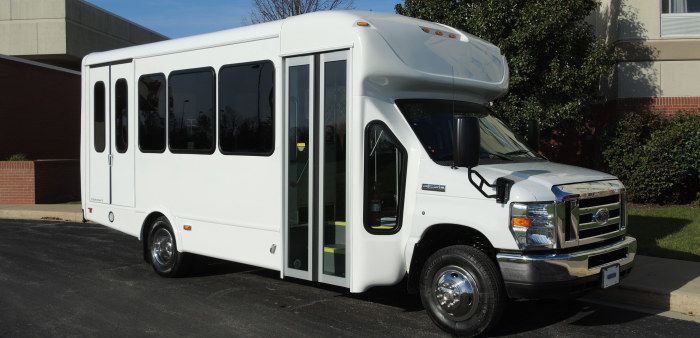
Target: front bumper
[(554, 275)]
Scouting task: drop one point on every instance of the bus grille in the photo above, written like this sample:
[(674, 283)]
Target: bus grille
[(590, 212)]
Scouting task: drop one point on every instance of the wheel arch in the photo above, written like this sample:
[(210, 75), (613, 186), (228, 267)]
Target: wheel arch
[(438, 236), (146, 226)]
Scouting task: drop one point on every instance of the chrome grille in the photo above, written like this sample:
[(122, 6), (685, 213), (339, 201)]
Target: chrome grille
[(590, 212), (588, 209)]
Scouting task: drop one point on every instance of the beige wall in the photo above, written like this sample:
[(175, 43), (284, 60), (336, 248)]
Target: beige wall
[(32, 27), (652, 65), (64, 30)]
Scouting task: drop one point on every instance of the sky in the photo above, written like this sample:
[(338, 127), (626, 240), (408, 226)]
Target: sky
[(178, 18)]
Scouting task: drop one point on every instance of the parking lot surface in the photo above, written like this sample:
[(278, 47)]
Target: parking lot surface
[(62, 279)]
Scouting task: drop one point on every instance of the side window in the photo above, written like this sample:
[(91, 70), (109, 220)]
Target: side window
[(121, 116), (191, 111), (98, 110), (246, 109), (385, 180), (152, 113)]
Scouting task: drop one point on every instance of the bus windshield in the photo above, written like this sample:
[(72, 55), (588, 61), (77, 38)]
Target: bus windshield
[(433, 122)]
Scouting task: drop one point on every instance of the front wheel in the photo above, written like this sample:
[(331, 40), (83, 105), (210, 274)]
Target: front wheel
[(462, 291), (162, 250)]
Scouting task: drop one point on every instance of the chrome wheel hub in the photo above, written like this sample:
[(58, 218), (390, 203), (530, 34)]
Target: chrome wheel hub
[(162, 247), (456, 292)]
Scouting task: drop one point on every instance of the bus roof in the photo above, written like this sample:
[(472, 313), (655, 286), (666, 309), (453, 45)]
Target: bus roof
[(432, 52)]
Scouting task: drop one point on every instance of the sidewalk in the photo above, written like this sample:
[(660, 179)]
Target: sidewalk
[(657, 284), (63, 212)]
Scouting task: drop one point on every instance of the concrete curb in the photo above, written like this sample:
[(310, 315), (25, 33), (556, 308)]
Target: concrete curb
[(658, 283), (68, 215)]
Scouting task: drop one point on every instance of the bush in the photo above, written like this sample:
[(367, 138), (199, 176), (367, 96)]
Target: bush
[(657, 159), (18, 157)]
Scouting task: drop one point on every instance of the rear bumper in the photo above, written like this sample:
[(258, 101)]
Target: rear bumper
[(563, 274)]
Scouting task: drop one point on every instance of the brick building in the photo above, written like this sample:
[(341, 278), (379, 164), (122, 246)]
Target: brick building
[(42, 43)]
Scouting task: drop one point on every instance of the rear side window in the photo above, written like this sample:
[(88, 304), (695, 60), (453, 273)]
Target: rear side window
[(191, 104), (152, 113), (121, 116), (246, 109), (385, 180), (99, 126)]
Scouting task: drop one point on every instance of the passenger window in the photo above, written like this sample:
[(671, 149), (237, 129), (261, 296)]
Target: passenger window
[(246, 109), (99, 125), (152, 113), (191, 111), (385, 180), (121, 116)]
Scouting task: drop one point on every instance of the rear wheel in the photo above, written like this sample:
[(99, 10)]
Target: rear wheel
[(162, 250), (462, 291)]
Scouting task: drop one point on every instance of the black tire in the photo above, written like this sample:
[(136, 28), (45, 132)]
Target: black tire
[(459, 268), (162, 250)]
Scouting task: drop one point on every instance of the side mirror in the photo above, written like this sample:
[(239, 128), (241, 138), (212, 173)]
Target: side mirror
[(467, 142)]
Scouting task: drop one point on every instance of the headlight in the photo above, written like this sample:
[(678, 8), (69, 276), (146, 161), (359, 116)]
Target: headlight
[(532, 225)]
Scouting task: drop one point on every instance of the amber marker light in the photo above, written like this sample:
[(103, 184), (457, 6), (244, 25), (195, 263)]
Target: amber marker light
[(520, 222), (453, 35), (439, 33), (425, 29), (363, 23), (187, 227)]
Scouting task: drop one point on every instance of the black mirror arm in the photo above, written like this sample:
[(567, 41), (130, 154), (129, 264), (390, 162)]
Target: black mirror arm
[(502, 186)]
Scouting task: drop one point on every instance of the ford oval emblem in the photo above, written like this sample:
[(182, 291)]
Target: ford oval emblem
[(601, 216)]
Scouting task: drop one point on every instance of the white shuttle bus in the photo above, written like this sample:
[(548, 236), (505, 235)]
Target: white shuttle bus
[(349, 148)]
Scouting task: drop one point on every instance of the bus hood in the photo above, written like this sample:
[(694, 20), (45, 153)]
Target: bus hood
[(542, 173)]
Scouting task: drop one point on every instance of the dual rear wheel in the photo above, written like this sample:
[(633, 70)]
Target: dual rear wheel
[(162, 250)]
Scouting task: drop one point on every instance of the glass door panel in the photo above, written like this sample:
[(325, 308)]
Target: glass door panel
[(299, 169), (334, 96), (316, 106)]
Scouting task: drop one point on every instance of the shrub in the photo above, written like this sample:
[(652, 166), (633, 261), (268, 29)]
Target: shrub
[(657, 159), (18, 157)]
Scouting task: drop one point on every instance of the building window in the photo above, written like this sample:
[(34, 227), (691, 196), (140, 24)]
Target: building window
[(246, 109), (680, 6), (385, 180), (99, 126), (152, 113), (121, 116), (191, 111)]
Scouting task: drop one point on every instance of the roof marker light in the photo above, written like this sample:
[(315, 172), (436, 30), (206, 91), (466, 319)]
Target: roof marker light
[(439, 33), (363, 23), (425, 29), (453, 35)]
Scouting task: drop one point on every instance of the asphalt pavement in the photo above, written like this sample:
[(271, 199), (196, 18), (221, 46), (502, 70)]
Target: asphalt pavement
[(59, 279)]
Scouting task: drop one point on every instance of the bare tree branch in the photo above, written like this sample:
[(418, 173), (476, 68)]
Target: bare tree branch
[(270, 10)]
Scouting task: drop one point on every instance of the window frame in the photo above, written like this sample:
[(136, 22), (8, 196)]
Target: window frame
[(214, 107), (365, 181), (116, 115), (104, 117), (274, 109), (668, 3), (138, 118)]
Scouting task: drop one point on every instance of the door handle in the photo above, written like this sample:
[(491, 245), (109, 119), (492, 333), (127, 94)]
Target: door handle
[(109, 160)]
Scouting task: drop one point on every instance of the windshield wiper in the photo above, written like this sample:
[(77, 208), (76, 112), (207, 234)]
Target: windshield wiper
[(501, 156), (517, 152)]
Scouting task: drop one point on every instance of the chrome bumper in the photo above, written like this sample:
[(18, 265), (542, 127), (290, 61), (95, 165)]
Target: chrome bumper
[(562, 267)]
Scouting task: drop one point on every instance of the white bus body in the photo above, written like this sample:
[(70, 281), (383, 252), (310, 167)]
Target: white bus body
[(329, 182)]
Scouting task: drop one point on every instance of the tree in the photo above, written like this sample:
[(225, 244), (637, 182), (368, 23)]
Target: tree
[(270, 10), (556, 62)]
